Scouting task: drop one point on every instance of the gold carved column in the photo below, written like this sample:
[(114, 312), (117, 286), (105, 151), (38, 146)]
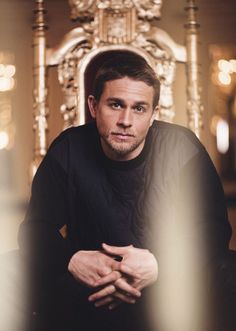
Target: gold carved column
[(194, 105), (40, 90)]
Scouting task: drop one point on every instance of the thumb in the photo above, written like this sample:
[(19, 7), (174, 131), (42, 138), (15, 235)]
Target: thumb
[(115, 250)]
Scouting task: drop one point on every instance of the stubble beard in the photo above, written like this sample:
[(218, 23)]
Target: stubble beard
[(121, 149)]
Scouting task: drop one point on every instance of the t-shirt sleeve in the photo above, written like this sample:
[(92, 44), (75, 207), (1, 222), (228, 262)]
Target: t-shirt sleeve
[(188, 214), (39, 236), (205, 231), (202, 203), (45, 250)]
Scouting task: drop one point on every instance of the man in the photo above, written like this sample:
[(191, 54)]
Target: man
[(134, 196)]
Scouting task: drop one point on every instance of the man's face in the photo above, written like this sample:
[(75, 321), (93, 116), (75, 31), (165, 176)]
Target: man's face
[(123, 115)]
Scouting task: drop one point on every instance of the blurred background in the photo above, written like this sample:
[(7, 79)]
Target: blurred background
[(218, 81)]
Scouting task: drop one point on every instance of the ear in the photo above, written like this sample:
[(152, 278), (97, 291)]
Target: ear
[(154, 114), (92, 104)]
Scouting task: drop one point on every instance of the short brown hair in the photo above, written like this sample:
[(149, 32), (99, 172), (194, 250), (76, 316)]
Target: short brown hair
[(126, 64)]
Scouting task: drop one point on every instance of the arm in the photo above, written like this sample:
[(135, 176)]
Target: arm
[(202, 199), (210, 234), (41, 243)]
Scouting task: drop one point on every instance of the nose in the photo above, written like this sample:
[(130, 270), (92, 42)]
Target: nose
[(125, 118)]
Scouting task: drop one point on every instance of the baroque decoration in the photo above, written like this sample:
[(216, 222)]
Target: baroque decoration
[(103, 26)]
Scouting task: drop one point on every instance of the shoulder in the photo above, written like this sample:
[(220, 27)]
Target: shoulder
[(71, 144), (169, 130), (78, 138), (174, 135), (76, 135), (176, 142)]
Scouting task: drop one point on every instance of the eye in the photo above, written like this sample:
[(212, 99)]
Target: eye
[(115, 105), (139, 109)]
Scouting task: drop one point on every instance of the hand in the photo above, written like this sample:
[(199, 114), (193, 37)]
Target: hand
[(115, 293), (90, 266), (137, 263)]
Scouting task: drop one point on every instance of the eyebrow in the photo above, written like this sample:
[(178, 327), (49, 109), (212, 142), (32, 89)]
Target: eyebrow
[(115, 100), (121, 101)]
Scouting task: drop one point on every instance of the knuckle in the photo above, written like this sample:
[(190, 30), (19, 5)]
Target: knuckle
[(126, 268), (118, 282), (111, 289), (117, 274), (104, 272), (92, 283)]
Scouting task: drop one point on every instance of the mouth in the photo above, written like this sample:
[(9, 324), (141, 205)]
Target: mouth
[(122, 135)]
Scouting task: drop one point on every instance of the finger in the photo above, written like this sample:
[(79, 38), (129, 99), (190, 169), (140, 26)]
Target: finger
[(102, 293), (122, 284), (115, 249), (115, 265), (105, 301), (127, 270), (110, 278), (124, 297)]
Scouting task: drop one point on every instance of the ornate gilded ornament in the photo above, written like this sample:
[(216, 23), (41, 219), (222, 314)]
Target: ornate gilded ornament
[(106, 25), (82, 9), (148, 9)]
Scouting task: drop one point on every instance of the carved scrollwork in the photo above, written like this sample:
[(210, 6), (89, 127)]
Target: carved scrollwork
[(115, 4), (116, 21), (148, 9), (165, 70), (67, 75), (82, 9), (165, 65)]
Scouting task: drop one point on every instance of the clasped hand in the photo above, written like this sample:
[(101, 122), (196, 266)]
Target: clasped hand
[(114, 281)]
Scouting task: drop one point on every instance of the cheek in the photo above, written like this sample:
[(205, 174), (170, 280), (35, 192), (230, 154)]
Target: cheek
[(143, 127), (104, 123)]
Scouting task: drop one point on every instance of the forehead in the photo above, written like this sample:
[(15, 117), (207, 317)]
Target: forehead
[(128, 89)]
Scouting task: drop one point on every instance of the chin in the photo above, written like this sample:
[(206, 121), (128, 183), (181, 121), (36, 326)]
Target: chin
[(123, 151), (121, 148)]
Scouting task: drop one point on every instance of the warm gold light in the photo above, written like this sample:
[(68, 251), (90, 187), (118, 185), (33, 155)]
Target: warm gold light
[(224, 78), (225, 66), (7, 81), (2, 69), (213, 124), (4, 139), (233, 64), (222, 136), (6, 84), (10, 70)]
